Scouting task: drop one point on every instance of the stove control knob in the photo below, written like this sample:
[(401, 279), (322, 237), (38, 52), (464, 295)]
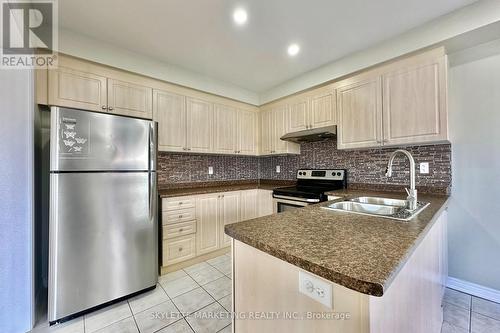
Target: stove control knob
[(338, 174)]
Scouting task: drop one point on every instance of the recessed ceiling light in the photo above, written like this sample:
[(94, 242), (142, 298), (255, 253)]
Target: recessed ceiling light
[(293, 49), (240, 16)]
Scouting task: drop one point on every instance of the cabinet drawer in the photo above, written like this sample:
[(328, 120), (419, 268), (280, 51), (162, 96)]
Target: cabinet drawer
[(178, 203), (179, 229), (176, 216), (178, 249)]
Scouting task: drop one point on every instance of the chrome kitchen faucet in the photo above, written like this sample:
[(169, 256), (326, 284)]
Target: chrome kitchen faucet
[(412, 192)]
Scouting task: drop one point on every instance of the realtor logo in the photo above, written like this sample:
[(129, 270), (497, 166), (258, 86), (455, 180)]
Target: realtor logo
[(29, 34)]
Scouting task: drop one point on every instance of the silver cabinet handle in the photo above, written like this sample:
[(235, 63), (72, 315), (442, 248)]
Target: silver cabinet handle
[(180, 202), (181, 230), (180, 216), (104, 107), (180, 249), (110, 108)]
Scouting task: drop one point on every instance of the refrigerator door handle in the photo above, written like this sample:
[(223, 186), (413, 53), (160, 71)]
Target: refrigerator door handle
[(153, 145), (153, 197)]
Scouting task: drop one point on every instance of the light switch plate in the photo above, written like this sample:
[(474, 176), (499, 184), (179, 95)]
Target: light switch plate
[(316, 288), (424, 167), (210, 170), (278, 169)]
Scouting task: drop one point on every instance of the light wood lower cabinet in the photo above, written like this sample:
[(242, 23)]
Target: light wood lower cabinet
[(178, 249), (207, 223), (412, 302), (194, 225), (229, 212), (249, 204), (265, 205)]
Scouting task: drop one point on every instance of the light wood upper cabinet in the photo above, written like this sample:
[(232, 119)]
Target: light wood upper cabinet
[(299, 114), (280, 128), (199, 125), (130, 99), (266, 146), (247, 132), (225, 129), (323, 110), (359, 107), (401, 103), (169, 110), (414, 103), (77, 89), (207, 223), (229, 212)]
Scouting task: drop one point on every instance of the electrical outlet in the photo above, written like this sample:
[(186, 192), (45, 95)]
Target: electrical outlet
[(278, 169), (210, 170), (424, 167), (316, 288)]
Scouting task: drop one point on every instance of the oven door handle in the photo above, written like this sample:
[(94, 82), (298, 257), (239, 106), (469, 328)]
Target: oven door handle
[(276, 196)]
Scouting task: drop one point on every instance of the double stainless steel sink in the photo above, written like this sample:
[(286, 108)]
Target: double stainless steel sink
[(378, 206)]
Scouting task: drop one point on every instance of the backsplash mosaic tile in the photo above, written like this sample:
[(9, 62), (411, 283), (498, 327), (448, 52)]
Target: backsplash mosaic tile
[(187, 168), (364, 166)]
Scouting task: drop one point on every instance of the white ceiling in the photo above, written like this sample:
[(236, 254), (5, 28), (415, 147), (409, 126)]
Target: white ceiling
[(199, 35)]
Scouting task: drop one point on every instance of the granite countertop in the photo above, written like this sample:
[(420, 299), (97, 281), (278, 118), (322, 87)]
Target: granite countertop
[(183, 189), (363, 253)]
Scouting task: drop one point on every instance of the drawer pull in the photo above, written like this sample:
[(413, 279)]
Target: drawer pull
[(181, 230), (180, 216), (180, 203), (180, 249)]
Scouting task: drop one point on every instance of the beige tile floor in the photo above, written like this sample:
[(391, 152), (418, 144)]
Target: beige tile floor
[(465, 313), (195, 299), (198, 299)]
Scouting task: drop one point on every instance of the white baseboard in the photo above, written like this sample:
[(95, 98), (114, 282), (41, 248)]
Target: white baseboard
[(473, 289)]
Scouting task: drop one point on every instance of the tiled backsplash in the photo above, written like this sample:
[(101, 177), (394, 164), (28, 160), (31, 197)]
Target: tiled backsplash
[(186, 168), (364, 166)]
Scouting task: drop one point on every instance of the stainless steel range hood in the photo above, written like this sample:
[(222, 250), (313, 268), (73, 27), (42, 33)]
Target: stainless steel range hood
[(311, 135)]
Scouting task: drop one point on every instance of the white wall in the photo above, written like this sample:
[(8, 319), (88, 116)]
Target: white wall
[(16, 192), (474, 214), (105, 53)]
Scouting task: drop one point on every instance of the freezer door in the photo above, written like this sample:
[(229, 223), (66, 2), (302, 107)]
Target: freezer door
[(90, 141), (103, 239)]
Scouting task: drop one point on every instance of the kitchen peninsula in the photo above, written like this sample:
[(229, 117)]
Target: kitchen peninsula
[(367, 271)]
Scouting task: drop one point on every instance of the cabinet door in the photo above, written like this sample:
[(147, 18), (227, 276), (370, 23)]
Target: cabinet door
[(207, 224), (265, 132), (323, 108), (359, 107), (226, 122), (130, 99), (299, 114), (200, 118), (280, 128), (229, 213), (414, 104), (76, 89), (249, 204), (169, 110), (265, 203), (247, 133)]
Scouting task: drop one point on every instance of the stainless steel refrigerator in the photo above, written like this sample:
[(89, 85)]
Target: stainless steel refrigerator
[(103, 237)]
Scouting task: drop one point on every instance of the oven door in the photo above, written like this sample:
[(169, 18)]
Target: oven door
[(284, 203)]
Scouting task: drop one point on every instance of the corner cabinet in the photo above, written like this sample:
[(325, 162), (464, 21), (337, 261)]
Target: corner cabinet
[(402, 103), (274, 124)]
